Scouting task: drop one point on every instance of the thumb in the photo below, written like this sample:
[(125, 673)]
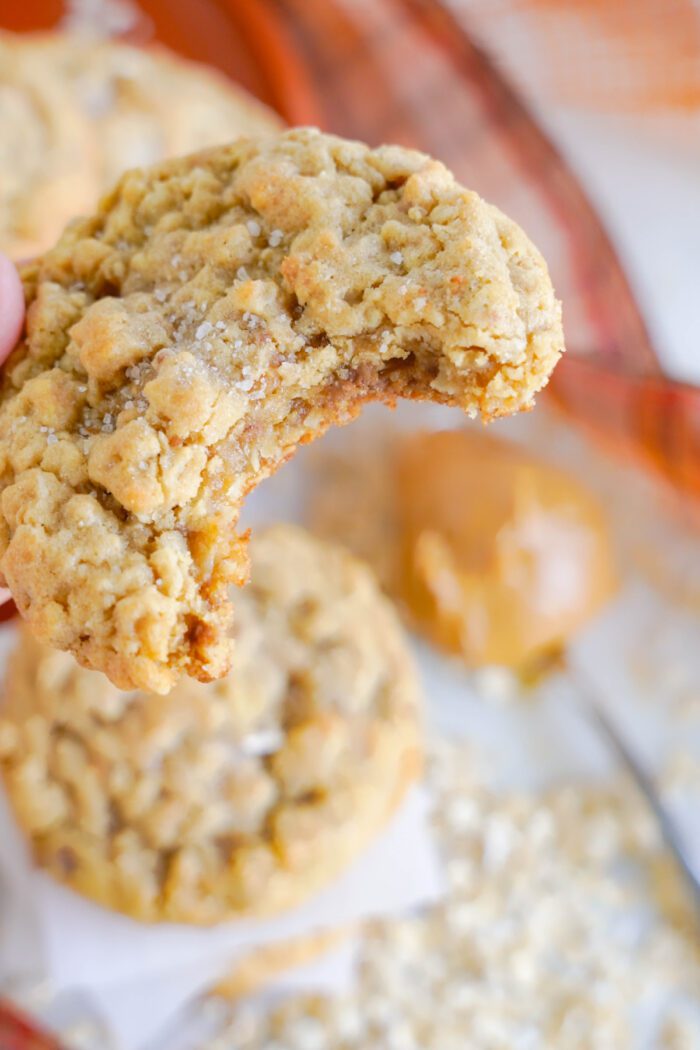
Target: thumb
[(11, 306)]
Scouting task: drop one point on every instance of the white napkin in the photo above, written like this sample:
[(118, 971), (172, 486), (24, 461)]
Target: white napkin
[(163, 1010), (80, 945)]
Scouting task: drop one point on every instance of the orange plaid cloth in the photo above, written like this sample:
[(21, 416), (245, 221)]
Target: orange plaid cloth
[(609, 55), (18, 1033)]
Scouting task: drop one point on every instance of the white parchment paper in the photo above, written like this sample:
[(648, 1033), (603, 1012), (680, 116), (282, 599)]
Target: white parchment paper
[(48, 931)]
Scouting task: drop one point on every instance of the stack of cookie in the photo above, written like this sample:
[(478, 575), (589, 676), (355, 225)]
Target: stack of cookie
[(217, 311), (241, 798)]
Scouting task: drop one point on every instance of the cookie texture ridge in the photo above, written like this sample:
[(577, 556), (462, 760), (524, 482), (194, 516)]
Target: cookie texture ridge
[(217, 311), (238, 797), (76, 113)]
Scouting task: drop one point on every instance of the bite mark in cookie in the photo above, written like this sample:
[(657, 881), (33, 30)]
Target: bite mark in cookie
[(215, 313)]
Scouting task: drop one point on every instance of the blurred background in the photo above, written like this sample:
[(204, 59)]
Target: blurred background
[(548, 573)]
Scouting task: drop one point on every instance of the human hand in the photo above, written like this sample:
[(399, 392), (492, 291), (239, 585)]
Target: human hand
[(11, 320)]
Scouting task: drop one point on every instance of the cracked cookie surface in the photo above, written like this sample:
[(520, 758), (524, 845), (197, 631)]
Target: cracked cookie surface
[(216, 312), (237, 797)]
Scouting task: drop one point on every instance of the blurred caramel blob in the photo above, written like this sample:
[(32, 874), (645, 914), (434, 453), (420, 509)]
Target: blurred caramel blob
[(489, 552), (500, 558)]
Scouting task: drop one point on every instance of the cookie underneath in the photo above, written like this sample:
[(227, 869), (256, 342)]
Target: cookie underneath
[(241, 797), (215, 313)]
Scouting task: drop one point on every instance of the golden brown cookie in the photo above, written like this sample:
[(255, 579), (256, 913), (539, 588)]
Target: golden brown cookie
[(240, 797), (216, 312), (76, 113)]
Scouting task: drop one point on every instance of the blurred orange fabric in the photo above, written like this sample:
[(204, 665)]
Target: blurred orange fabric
[(621, 55)]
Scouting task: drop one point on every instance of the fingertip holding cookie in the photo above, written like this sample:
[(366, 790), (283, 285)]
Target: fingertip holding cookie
[(216, 312), (11, 307)]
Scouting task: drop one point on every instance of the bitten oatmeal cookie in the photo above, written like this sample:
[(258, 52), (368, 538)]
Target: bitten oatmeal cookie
[(76, 113), (217, 311), (241, 797)]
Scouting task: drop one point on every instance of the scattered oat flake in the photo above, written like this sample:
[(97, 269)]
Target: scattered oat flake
[(396, 258), (544, 940)]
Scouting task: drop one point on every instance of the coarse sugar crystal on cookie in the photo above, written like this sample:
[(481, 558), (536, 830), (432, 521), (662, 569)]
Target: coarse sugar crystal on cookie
[(239, 797), (216, 312)]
